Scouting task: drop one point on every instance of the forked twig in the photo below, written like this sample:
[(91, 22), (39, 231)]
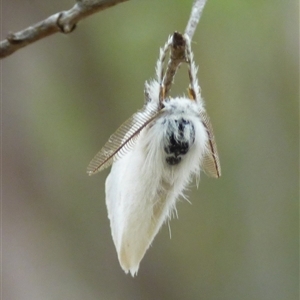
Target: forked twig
[(64, 22)]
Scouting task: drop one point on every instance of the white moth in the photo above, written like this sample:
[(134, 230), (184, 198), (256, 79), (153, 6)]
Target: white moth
[(154, 156)]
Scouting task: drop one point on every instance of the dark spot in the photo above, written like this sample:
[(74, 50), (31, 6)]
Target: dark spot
[(177, 144), (172, 160)]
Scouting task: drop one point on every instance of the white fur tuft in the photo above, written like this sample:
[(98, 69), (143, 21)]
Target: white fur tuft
[(142, 189)]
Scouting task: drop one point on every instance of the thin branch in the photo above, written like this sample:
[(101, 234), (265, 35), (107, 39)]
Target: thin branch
[(177, 55), (64, 22), (195, 16)]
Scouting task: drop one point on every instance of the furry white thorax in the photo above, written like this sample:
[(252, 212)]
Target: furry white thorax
[(142, 188)]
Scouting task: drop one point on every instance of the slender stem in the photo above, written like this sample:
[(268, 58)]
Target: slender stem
[(195, 16), (64, 22)]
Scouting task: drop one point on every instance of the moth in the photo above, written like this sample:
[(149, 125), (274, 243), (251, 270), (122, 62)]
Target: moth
[(154, 156)]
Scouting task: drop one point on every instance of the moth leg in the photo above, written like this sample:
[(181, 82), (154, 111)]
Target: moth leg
[(162, 93), (194, 88), (160, 72), (161, 60)]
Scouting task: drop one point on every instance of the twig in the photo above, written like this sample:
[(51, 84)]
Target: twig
[(195, 16), (177, 55), (64, 22)]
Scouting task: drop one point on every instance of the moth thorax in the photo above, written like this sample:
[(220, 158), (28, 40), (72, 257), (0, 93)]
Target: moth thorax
[(180, 136)]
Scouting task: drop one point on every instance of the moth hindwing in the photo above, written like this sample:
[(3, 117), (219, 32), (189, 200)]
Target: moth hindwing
[(123, 139)]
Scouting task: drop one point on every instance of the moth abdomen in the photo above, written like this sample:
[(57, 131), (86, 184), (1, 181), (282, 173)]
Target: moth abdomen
[(180, 136)]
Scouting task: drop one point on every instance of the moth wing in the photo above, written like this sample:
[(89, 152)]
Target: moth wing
[(211, 163), (123, 139)]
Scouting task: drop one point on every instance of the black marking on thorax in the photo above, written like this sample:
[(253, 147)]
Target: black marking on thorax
[(180, 137)]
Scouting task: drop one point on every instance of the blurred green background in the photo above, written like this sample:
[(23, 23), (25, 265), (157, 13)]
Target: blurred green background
[(63, 96)]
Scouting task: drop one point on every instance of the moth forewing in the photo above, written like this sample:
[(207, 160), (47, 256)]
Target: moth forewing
[(123, 140), (211, 163)]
